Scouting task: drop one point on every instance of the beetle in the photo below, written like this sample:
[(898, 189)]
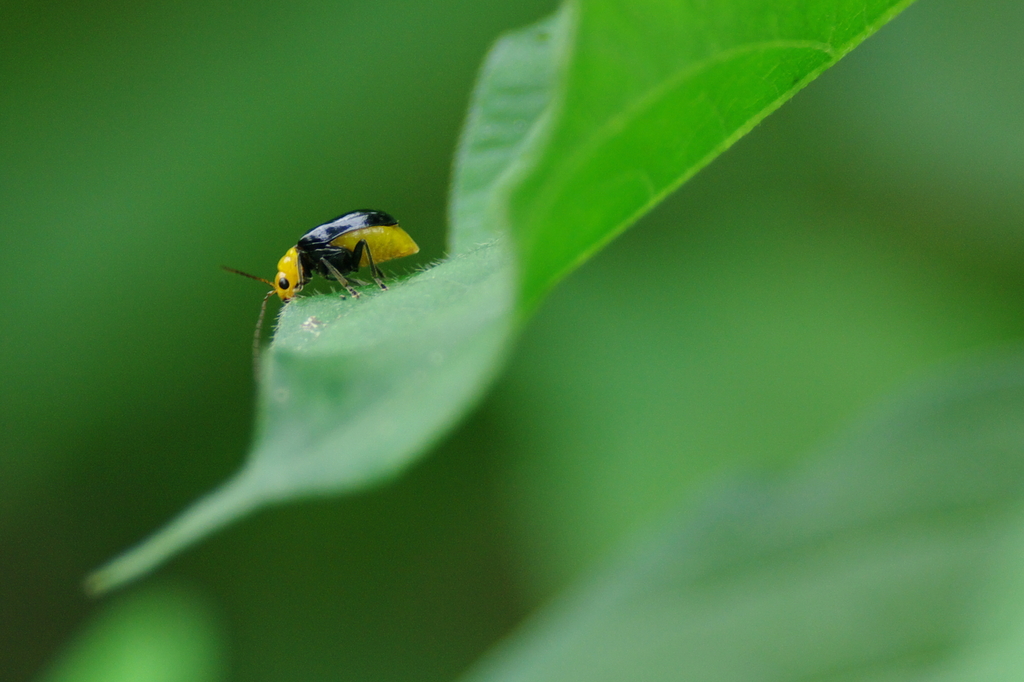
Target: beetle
[(335, 249), (340, 247)]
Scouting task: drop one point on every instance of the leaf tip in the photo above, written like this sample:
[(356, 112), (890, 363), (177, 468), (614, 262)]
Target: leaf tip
[(231, 501)]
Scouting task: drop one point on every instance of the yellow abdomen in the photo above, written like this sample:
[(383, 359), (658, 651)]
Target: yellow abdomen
[(386, 242)]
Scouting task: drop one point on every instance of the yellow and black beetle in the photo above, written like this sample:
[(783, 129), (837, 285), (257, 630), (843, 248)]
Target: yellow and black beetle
[(340, 247), (337, 248)]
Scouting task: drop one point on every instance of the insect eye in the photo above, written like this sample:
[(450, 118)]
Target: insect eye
[(282, 282)]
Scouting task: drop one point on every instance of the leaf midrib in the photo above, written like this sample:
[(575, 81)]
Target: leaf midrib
[(614, 125)]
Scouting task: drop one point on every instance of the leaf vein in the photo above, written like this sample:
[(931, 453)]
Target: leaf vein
[(616, 124)]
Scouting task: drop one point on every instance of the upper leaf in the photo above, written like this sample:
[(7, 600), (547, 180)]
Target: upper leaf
[(506, 128), (653, 92)]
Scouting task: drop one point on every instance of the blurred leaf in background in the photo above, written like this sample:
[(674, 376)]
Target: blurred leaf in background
[(894, 555), (162, 635)]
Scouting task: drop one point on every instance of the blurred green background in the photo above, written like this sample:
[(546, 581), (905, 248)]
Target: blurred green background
[(869, 231)]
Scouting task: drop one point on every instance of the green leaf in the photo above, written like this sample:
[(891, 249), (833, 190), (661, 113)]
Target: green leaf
[(163, 635), (352, 391), (505, 128), (895, 553), (578, 125), (653, 92)]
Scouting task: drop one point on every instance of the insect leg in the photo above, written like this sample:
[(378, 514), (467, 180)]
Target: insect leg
[(340, 277), (375, 272)]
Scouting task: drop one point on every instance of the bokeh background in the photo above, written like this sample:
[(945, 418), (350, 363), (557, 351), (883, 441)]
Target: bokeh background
[(868, 233)]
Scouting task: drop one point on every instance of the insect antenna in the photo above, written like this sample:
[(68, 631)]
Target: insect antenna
[(246, 274)]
